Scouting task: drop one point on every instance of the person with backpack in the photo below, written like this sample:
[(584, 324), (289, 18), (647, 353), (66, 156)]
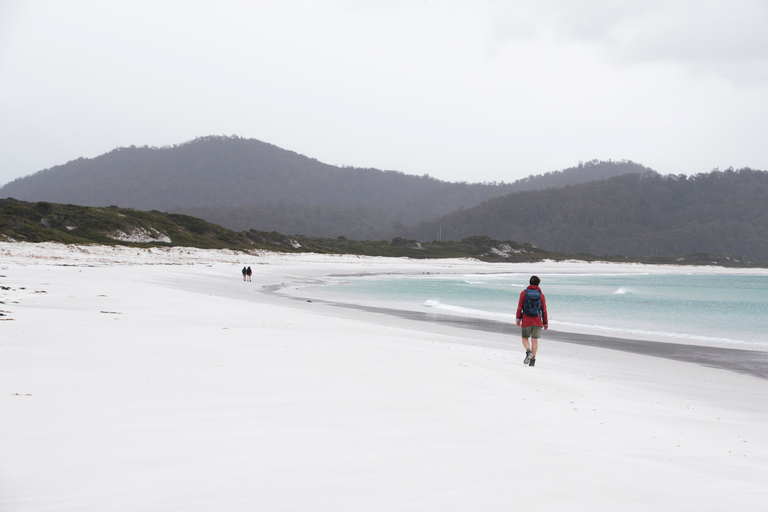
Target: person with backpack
[(532, 317)]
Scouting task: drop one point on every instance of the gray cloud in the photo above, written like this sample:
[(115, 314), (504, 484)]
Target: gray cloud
[(724, 38), (482, 90)]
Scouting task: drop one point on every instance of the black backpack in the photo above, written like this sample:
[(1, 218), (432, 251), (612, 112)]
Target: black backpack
[(532, 304)]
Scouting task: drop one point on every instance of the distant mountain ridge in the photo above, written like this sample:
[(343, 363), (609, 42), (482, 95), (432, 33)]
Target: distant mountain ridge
[(602, 208), (721, 212), (245, 183)]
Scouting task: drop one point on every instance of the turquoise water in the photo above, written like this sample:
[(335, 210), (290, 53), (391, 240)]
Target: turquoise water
[(717, 309)]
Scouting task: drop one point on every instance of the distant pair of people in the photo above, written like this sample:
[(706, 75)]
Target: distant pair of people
[(247, 272)]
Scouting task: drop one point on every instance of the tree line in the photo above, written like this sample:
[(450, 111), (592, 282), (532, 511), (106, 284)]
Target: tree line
[(722, 212)]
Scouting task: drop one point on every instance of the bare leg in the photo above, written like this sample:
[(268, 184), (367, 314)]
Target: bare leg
[(527, 345), (534, 345)]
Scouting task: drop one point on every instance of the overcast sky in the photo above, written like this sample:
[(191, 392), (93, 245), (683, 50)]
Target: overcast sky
[(476, 90)]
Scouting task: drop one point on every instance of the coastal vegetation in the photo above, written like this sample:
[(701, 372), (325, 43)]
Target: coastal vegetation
[(74, 224)]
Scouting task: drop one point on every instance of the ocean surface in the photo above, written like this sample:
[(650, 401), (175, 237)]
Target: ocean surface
[(722, 310)]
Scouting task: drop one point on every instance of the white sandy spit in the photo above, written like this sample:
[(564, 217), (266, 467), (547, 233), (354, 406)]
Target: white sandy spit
[(157, 380)]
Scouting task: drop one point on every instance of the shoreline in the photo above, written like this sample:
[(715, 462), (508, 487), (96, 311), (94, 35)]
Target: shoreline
[(746, 361), (681, 337)]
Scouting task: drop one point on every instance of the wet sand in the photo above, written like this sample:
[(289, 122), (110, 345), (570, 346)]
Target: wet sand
[(750, 362)]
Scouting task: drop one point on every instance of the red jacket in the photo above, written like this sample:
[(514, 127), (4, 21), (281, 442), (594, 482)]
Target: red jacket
[(541, 320)]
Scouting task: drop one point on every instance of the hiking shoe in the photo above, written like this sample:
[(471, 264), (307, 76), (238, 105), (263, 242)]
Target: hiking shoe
[(532, 362), (528, 357)]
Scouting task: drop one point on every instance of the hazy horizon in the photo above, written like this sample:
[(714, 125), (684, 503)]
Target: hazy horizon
[(476, 91)]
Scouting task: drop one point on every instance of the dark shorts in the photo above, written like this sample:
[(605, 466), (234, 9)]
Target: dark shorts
[(532, 331)]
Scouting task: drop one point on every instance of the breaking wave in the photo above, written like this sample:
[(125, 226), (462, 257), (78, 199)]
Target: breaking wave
[(436, 304)]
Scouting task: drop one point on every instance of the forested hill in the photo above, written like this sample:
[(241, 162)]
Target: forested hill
[(722, 212), (245, 183), (209, 171), (594, 170)]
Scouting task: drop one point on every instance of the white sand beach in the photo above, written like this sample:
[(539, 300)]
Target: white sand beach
[(157, 380)]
